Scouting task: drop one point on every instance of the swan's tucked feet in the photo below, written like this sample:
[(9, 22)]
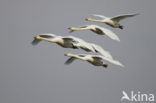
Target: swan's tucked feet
[(105, 65), (96, 51), (121, 26)]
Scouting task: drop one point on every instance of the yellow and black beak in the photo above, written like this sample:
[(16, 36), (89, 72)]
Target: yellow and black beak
[(37, 37), (87, 19), (70, 28), (66, 54)]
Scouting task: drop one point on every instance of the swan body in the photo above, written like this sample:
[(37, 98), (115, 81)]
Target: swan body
[(111, 21), (65, 42), (96, 60), (71, 42), (96, 29)]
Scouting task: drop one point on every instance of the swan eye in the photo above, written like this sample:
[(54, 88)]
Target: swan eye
[(37, 37)]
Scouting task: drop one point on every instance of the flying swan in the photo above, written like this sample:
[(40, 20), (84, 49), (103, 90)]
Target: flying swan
[(65, 42), (96, 60), (96, 29), (111, 21), (71, 42)]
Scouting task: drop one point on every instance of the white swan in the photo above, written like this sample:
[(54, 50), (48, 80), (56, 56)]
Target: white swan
[(71, 42), (111, 21), (97, 29), (96, 60), (65, 42)]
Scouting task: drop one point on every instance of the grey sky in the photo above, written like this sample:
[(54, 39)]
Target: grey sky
[(37, 74)]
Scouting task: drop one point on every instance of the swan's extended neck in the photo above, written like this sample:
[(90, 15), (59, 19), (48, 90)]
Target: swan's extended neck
[(46, 39), (76, 56), (95, 20), (74, 28)]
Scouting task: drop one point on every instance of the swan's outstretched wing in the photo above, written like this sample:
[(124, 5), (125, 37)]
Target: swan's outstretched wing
[(45, 35), (101, 51), (84, 26), (70, 60), (35, 41), (95, 57), (101, 16), (109, 33), (111, 60), (76, 39), (82, 43), (118, 18), (68, 39)]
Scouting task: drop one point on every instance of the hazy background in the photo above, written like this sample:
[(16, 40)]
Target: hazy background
[(37, 74)]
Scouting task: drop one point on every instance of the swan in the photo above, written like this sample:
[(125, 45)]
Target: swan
[(97, 29), (65, 42), (111, 21), (96, 60), (71, 42)]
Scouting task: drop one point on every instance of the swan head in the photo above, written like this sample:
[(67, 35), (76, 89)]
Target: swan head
[(70, 28), (88, 19), (37, 37), (67, 54)]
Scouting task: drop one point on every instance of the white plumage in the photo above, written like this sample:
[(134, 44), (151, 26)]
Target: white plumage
[(71, 42), (111, 21), (96, 60), (96, 29)]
